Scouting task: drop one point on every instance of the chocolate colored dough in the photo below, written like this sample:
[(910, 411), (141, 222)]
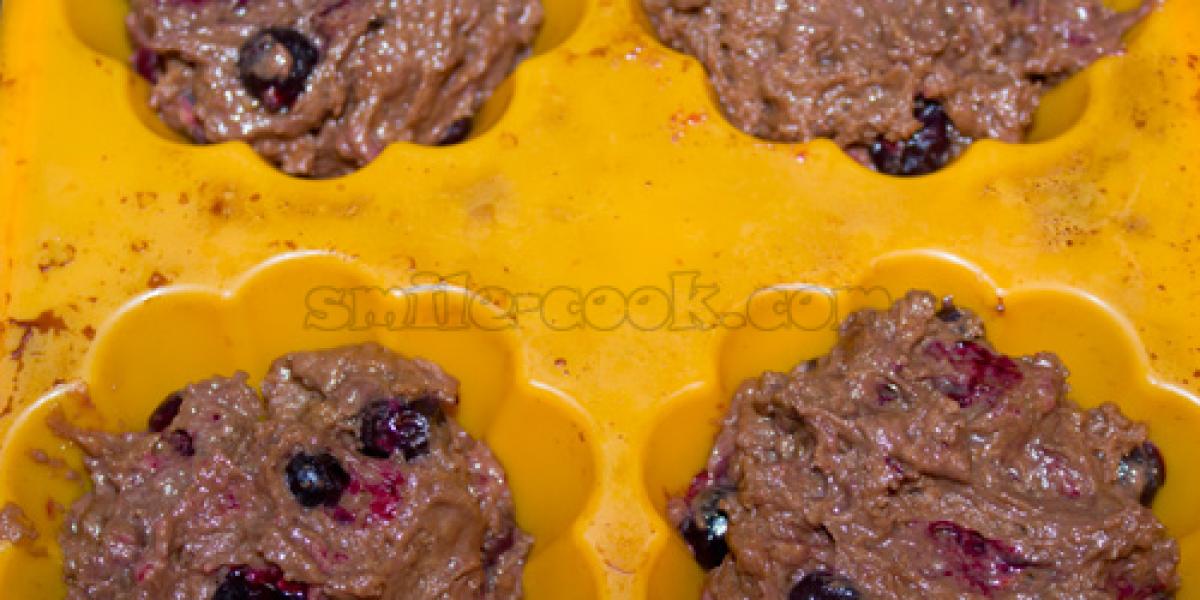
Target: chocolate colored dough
[(15, 526), (914, 461), (207, 500), (852, 70), (320, 87)]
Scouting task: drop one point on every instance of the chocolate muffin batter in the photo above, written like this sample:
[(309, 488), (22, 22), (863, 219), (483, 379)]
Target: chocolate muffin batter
[(350, 481), (903, 83), (319, 87), (914, 461), (15, 527)]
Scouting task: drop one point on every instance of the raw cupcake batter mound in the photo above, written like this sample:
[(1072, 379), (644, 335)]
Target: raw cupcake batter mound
[(346, 479), (914, 461), (903, 84), (320, 87)]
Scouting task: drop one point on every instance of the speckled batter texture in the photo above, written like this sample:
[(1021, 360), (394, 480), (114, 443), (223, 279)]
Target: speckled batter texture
[(205, 500), (914, 461), (852, 70), (370, 72)]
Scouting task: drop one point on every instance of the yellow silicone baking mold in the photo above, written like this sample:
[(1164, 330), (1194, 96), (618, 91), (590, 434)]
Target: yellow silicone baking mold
[(600, 265)]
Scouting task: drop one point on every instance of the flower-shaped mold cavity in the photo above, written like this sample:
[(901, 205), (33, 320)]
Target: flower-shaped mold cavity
[(303, 302), (100, 25), (792, 323), (1062, 109)]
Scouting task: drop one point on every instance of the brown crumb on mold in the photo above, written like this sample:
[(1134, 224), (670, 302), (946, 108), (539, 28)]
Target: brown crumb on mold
[(139, 246), (1136, 224), (145, 199), (42, 458), (288, 244), (157, 280), (55, 254), (53, 462), (46, 322), (54, 509), (88, 332)]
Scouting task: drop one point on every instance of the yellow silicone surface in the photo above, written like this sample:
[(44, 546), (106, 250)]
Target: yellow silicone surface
[(697, 256)]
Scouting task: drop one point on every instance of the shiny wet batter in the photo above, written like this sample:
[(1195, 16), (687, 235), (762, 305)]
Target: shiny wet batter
[(347, 478), (320, 87), (904, 84), (915, 461)]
